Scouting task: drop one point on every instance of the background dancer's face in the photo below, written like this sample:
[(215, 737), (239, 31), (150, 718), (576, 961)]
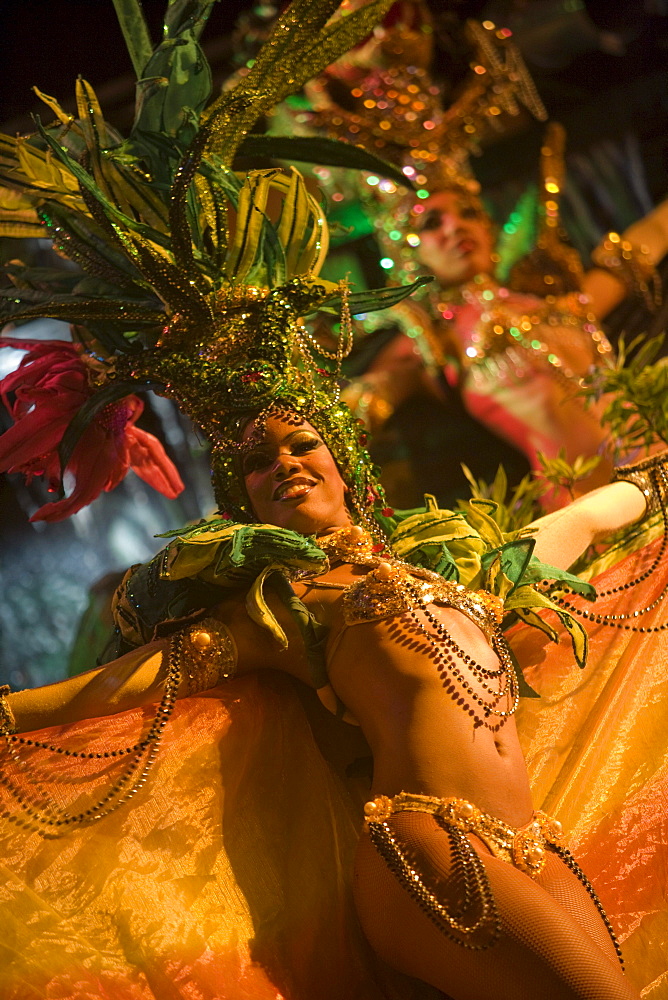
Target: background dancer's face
[(456, 238), (292, 479)]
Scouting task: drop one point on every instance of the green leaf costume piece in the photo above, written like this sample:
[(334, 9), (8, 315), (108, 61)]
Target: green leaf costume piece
[(231, 556), (234, 555)]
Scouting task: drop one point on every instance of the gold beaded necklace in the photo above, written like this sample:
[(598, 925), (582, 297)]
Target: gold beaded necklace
[(394, 587)]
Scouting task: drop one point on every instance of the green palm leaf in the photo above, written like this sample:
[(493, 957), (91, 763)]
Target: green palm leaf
[(135, 32), (374, 299), (327, 152)]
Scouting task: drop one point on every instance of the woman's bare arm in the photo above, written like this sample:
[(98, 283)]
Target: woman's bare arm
[(606, 291), (561, 537), (138, 677), (131, 681)]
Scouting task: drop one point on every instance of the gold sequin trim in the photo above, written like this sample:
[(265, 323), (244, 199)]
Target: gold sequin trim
[(391, 588), (525, 848), (209, 655), (7, 720), (649, 475)]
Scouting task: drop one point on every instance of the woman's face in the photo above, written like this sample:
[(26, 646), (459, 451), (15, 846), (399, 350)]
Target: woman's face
[(292, 479), (456, 239)]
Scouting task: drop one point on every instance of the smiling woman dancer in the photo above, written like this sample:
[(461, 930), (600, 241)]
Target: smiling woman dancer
[(458, 882), (423, 895)]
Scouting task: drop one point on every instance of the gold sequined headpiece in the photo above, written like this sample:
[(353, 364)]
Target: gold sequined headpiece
[(394, 107), (197, 277), (552, 266)]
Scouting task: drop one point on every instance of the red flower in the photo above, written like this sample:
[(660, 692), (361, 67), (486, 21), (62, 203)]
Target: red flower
[(47, 390)]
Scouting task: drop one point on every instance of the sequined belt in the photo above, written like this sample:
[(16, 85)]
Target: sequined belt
[(473, 921), (524, 847)]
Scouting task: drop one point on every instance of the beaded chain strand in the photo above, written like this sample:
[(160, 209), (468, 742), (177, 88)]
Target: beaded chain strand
[(571, 863), (447, 651), (47, 818), (476, 885), (621, 621)]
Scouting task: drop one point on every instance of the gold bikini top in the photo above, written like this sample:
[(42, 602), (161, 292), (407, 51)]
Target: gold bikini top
[(392, 587)]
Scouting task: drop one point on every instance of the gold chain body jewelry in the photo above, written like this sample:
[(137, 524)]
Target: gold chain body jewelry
[(51, 821), (475, 922), (447, 653), (393, 587), (526, 848)]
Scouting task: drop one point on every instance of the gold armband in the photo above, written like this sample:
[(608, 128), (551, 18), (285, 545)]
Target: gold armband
[(631, 265), (208, 656), (7, 720), (650, 477)]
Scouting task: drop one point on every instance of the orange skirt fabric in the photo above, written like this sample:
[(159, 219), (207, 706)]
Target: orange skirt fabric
[(228, 875), (596, 744)]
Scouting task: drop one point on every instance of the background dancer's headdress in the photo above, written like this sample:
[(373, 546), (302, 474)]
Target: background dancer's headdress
[(384, 97), (195, 277), (535, 256)]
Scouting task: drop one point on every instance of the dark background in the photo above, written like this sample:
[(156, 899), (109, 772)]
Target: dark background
[(601, 70)]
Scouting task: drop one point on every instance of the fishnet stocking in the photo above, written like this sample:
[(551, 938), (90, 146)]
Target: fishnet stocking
[(553, 943)]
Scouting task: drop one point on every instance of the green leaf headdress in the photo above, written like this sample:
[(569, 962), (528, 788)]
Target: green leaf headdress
[(196, 277)]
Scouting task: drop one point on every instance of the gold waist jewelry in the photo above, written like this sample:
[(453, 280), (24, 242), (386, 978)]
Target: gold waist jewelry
[(526, 847), (474, 921)]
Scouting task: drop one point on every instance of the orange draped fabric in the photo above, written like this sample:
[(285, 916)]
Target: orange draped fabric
[(226, 877), (597, 749)]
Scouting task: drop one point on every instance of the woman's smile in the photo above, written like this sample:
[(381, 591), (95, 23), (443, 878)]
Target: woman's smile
[(294, 489), (292, 479)]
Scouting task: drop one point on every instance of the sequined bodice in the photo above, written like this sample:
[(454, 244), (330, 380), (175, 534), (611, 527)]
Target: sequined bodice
[(392, 587), (511, 332)]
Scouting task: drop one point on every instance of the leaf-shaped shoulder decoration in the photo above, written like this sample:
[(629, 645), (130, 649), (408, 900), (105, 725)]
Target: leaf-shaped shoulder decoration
[(234, 555), (468, 546), (440, 540), (222, 552)]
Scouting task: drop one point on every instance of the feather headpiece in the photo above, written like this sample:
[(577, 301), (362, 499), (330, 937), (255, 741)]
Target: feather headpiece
[(195, 278)]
